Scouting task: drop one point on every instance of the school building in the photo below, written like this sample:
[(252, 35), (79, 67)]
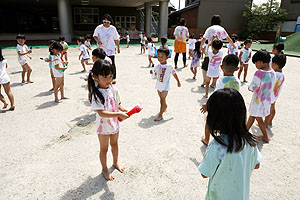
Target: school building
[(47, 19)]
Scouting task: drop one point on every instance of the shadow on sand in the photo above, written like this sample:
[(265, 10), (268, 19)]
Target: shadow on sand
[(256, 131), (43, 94), (46, 105), (149, 122), (85, 119)]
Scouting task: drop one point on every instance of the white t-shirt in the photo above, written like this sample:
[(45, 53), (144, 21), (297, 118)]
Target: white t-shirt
[(246, 55), (237, 45), (107, 126), (85, 54), (3, 74), (228, 82), (143, 40), (56, 60), (23, 49), (128, 38), (192, 43), (107, 36), (181, 33), (205, 46), (65, 46), (163, 75), (215, 30), (151, 48), (277, 86), (87, 43), (214, 64)]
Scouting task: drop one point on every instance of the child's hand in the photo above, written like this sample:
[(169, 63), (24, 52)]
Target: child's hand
[(123, 115), (30, 51), (151, 72), (178, 84), (30, 57), (65, 68), (203, 109), (79, 58)]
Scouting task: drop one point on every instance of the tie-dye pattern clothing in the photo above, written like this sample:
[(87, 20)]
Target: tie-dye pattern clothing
[(228, 82), (214, 64), (277, 86), (262, 87), (195, 60), (246, 55), (163, 75), (107, 126), (215, 30)]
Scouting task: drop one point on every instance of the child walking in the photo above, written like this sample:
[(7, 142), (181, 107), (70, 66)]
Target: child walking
[(84, 55), (262, 87), (163, 72), (151, 51), (215, 59), (5, 82), (196, 54), (65, 46), (244, 57), (232, 156), (105, 101), (143, 42), (205, 62), (23, 57), (192, 42), (87, 42)]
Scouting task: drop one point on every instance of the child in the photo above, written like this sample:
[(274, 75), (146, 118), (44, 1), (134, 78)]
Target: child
[(164, 43), (49, 60), (231, 49), (196, 54), (65, 46), (127, 39), (163, 71), (200, 39), (87, 42), (143, 42), (262, 86), (205, 62), (237, 43), (192, 42), (277, 49), (229, 66), (84, 53), (244, 57), (105, 101), (278, 62), (5, 82), (232, 156), (215, 59), (58, 71), (23, 57), (151, 51)]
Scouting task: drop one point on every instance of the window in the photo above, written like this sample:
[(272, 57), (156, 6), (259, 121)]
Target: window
[(127, 22), (85, 15)]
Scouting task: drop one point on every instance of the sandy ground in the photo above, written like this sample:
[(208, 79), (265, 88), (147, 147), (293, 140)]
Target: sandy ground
[(50, 151)]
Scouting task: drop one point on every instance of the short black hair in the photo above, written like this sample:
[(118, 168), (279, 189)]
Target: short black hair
[(279, 46), (280, 60), (163, 40), (216, 20), (247, 41), (217, 44), (88, 36), (261, 55), (164, 51), (149, 39), (80, 39), (99, 53), (233, 39), (192, 36), (230, 63), (20, 36), (181, 22), (201, 35), (236, 37), (61, 38), (50, 42)]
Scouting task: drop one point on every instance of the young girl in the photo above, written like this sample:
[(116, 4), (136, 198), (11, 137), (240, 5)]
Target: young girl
[(87, 42), (5, 82), (244, 57), (84, 53), (151, 51), (232, 156), (237, 43), (231, 49), (262, 88), (164, 43), (49, 60), (192, 42), (58, 71), (196, 54), (277, 49), (105, 101)]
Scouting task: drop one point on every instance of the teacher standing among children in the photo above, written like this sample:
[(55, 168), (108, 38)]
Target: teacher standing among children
[(181, 34)]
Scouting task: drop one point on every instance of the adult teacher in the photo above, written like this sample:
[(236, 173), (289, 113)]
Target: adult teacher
[(181, 34), (107, 37)]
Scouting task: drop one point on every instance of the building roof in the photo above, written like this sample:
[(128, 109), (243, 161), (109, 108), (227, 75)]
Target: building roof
[(196, 4)]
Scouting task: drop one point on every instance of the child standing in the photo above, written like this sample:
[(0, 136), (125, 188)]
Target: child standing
[(192, 42), (164, 43), (87, 42), (65, 46), (232, 156), (196, 54), (143, 42), (262, 87), (105, 101), (49, 60), (151, 51), (58, 71), (205, 62), (163, 72), (277, 49), (215, 59), (127, 39), (278, 62), (237, 43), (5, 82), (83, 56), (23, 57), (244, 57), (231, 49)]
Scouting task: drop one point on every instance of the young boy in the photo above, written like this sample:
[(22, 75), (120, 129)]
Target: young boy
[(244, 57), (278, 62), (84, 53), (23, 57), (229, 66), (87, 42), (65, 46), (215, 59), (151, 51), (163, 71), (143, 42)]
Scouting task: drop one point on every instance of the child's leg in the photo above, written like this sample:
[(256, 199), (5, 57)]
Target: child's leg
[(163, 104), (66, 56), (214, 82), (190, 53), (205, 139), (83, 66), (52, 79), (2, 99), (115, 151), (10, 95), (263, 129), (150, 61), (28, 70), (104, 142), (250, 122), (245, 72), (192, 70), (204, 76), (58, 81), (269, 119), (207, 86), (240, 70), (23, 73)]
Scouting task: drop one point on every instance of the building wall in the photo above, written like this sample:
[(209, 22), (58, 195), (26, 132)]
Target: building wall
[(190, 17), (292, 7)]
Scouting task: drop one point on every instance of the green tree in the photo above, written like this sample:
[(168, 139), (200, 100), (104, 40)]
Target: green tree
[(263, 17)]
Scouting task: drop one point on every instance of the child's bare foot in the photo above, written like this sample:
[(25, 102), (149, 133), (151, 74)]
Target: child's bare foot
[(12, 108), (23, 82), (57, 101), (29, 81), (51, 89), (202, 85), (64, 98), (245, 81), (194, 77), (205, 96), (107, 175), (203, 140), (119, 167), (157, 119), (263, 138), (176, 67), (5, 105), (212, 86)]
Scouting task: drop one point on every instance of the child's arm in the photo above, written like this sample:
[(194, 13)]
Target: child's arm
[(108, 114), (177, 79), (248, 57), (257, 166), (203, 176), (23, 54), (60, 68), (89, 47), (80, 54), (121, 107), (240, 57)]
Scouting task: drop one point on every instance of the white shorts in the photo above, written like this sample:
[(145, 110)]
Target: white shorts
[(23, 62), (4, 80), (57, 74), (213, 73), (151, 54)]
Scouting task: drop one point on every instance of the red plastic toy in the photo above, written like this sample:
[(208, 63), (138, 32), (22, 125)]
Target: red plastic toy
[(134, 110)]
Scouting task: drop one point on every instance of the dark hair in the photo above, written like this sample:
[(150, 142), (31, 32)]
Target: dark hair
[(279, 47), (20, 36), (249, 37), (99, 53), (88, 36), (164, 51), (163, 40), (50, 42), (149, 39), (216, 20), (55, 45), (1, 56), (181, 22), (103, 68), (280, 60), (197, 49), (217, 44), (192, 36), (233, 39), (61, 38), (108, 17), (227, 116), (80, 39), (206, 41), (247, 41), (230, 63), (261, 55), (236, 37), (201, 35)]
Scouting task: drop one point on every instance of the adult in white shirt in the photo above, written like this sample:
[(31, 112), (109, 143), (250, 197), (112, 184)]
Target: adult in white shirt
[(107, 37)]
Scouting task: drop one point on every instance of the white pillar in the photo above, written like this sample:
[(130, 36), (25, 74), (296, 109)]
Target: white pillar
[(148, 19), (65, 19), (163, 19)]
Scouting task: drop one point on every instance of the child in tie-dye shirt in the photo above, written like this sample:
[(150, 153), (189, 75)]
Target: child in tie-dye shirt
[(262, 88), (278, 62)]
